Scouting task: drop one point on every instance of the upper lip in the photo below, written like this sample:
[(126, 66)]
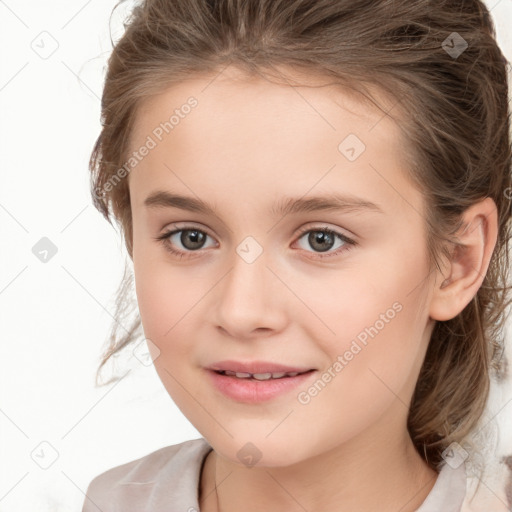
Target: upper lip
[(256, 367)]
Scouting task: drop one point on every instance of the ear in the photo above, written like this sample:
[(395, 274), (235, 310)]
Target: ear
[(469, 262)]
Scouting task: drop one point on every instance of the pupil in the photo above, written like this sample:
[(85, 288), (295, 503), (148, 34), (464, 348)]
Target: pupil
[(196, 236), (320, 236)]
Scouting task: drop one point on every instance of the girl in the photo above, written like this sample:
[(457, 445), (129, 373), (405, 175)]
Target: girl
[(241, 137)]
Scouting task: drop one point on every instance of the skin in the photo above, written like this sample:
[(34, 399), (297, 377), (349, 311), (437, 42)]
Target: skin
[(249, 143)]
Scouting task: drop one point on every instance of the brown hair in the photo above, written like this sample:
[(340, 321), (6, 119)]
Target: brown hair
[(456, 123)]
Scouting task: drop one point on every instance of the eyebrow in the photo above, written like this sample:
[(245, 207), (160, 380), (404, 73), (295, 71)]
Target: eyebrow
[(289, 205)]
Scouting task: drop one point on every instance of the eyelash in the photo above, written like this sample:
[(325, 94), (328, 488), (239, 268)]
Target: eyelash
[(349, 243)]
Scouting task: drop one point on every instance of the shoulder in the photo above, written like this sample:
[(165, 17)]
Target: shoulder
[(130, 486)]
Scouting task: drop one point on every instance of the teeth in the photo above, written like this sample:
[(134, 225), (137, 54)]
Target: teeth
[(260, 376)]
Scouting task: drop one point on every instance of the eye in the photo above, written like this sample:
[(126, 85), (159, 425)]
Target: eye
[(323, 239), (191, 238)]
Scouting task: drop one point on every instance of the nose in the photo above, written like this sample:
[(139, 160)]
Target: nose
[(250, 299)]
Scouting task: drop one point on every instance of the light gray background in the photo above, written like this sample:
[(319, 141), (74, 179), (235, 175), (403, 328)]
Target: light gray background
[(55, 316)]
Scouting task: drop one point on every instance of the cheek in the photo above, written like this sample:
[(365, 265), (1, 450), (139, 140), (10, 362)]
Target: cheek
[(370, 302), (378, 321), (364, 379), (164, 302), (163, 298)]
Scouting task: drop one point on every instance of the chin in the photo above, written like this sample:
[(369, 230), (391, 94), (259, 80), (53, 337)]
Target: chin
[(260, 452)]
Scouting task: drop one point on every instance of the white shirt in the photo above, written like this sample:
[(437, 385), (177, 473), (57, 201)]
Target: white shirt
[(168, 479)]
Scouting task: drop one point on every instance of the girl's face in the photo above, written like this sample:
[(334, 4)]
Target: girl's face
[(255, 279)]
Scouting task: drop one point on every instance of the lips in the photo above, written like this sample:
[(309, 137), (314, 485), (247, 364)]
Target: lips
[(253, 390), (257, 367), (260, 376)]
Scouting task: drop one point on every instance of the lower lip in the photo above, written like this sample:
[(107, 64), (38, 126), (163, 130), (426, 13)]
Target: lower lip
[(254, 391)]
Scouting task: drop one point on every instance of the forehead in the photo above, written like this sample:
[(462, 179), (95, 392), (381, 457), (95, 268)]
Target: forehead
[(283, 96), (258, 132)]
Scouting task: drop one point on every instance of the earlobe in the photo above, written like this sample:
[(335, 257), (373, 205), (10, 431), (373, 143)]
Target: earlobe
[(469, 261)]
